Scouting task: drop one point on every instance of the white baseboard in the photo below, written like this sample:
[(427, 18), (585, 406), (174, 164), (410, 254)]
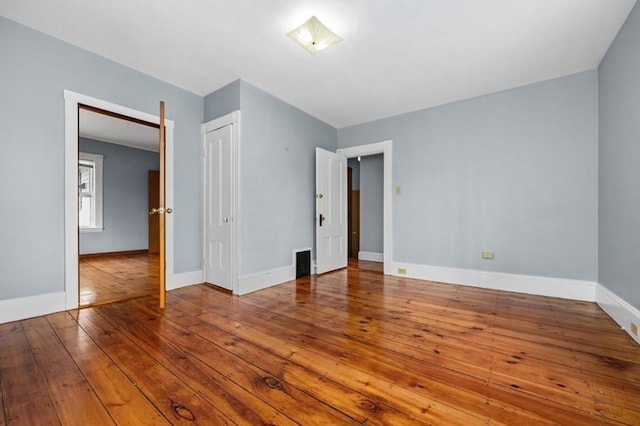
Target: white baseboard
[(530, 284), (264, 279), (31, 306), (185, 279), (618, 309), (371, 256)]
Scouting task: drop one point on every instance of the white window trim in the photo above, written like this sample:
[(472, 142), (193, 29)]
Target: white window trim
[(97, 195)]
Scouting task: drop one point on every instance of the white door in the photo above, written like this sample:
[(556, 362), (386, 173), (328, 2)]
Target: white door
[(331, 211), (218, 208)]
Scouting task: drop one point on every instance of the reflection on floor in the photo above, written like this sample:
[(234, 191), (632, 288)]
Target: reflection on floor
[(366, 265), (106, 279)]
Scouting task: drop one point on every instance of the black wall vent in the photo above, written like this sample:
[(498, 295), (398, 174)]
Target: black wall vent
[(303, 263)]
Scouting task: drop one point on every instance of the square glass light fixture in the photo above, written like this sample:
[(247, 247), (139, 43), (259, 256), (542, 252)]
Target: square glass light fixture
[(314, 36)]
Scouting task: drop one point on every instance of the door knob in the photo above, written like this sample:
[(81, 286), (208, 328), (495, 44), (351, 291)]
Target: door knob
[(161, 210)]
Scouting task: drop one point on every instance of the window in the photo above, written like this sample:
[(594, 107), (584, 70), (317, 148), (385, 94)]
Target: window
[(90, 192)]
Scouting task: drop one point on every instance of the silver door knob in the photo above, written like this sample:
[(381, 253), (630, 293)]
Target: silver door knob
[(169, 210), (226, 219)]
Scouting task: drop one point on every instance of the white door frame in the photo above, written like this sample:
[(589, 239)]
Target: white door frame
[(71, 101), (385, 148), (232, 119)]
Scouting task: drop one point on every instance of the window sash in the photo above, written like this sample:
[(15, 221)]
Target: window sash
[(91, 165)]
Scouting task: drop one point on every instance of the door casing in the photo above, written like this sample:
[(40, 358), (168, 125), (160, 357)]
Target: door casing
[(72, 100), (385, 148)]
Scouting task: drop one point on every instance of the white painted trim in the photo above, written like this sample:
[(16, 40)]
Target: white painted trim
[(90, 230), (72, 100), (385, 148), (185, 279), (618, 309), (264, 279), (371, 256), (31, 306), (529, 284), (233, 119), (363, 150)]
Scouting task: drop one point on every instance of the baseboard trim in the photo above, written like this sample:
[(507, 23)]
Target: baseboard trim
[(185, 279), (252, 282), (618, 309), (32, 306), (113, 253), (371, 256), (529, 284)]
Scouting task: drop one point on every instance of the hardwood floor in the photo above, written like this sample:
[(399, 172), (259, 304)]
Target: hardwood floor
[(106, 279), (349, 347)]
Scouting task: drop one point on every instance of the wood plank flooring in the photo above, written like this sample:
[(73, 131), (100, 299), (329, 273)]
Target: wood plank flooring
[(106, 279), (348, 347)]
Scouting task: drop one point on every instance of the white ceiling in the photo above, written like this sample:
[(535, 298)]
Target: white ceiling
[(105, 128), (397, 55)]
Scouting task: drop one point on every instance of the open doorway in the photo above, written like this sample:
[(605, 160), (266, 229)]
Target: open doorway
[(118, 183), (366, 208), (385, 149), (72, 102), (118, 162), (353, 208)]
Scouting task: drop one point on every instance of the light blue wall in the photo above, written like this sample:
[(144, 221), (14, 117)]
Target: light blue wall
[(513, 172), (371, 203), (222, 102), (277, 179), (355, 166), (125, 198), (35, 69), (619, 162)]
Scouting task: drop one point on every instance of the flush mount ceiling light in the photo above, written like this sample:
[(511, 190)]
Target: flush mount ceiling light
[(314, 36)]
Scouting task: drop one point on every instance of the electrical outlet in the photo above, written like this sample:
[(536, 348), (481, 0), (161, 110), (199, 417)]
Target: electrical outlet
[(402, 270), (487, 255), (634, 328)]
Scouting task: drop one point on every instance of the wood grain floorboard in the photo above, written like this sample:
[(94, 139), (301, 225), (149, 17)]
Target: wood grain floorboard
[(238, 379), (240, 405), (74, 400), (354, 403), (25, 393), (348, 347), (445, 390), (111, 278), (3, 418), (124, 401), (172, 397)]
